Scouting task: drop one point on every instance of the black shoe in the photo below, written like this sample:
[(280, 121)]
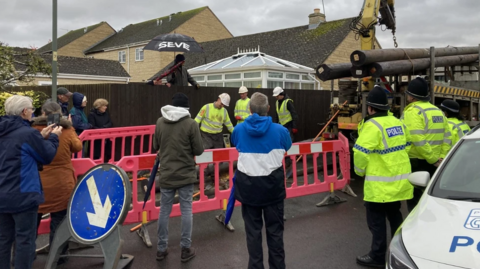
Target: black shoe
[(162, 254), (366, 260), (188, 254)]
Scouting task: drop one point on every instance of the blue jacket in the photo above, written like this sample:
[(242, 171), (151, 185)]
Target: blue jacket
[(64, 107), (79, 119), (22, 148), (261, 145)]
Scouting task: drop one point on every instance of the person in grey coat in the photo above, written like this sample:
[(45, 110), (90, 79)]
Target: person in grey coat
[(180, 77)]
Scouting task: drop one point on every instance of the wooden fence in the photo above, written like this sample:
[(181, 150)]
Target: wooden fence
[(139, 104)]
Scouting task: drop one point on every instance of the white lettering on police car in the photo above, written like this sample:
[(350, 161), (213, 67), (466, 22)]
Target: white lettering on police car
[(437, 119), (394, 131)]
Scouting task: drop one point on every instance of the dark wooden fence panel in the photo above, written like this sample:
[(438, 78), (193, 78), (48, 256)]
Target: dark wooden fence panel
[(139, 104)]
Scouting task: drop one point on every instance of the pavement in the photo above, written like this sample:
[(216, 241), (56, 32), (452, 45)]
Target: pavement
[(315, 237)]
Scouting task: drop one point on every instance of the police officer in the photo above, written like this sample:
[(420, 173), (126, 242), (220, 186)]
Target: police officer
[(457, 124), (381, 155), (242, 107), (431, 137)]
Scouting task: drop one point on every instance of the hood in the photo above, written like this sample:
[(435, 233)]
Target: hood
[(42, 121), (77, 99), (443, 231), (9, 124), (174, 113), (257, 125)]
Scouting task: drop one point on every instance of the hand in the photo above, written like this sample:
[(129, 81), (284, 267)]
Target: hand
[(70, 118), (168, 85), (57, 130), (157, 82), (437, 164), (197, 86), (238, 117), (294, 131), (46, 131)]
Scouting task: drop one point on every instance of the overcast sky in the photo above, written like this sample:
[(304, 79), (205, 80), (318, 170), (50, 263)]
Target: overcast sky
[(420, 23)]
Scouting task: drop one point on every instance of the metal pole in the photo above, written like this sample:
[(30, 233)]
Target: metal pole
[(432, 74), (331, 91), (54, 51)]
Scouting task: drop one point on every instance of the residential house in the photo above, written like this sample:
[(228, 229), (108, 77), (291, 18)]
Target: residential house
[(309, 45), (126, 46)]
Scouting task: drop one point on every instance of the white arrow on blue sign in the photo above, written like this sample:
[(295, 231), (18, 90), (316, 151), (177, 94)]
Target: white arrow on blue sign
[(98, 203)]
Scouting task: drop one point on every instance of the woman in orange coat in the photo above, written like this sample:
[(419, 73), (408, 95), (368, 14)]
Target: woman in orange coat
[(58, 178)]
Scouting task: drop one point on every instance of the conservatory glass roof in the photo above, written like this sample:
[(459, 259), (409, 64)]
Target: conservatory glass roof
[(249, 59)]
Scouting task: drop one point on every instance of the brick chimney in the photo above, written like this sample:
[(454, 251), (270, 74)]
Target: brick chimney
[(315, 19)]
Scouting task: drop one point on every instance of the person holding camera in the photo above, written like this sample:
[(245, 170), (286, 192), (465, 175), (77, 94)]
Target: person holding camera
[(22, 152), (58, 178)]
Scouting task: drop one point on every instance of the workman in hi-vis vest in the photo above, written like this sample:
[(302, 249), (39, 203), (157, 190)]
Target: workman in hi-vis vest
[(242, 107), (211, 118), (285, 111), (428, 127), (381, 155), (457, 124)]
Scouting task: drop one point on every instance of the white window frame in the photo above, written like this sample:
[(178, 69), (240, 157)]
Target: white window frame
[(122, 57), (139, 52), (44, 83)]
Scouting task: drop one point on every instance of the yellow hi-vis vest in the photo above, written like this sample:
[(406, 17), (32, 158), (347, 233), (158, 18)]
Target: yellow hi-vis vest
[(381, 155), (458, 129), (212, 119), (284, 115), (242, 109), (431, 136)]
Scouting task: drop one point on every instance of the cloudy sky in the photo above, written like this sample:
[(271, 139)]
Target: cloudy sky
[(420, 23)]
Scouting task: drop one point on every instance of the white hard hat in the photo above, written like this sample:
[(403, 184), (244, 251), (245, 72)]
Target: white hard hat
[(243, 89), (277, 91), (225, 98)]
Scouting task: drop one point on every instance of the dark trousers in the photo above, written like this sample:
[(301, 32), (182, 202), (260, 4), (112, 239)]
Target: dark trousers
[(377, 213), (55, 220), (417, 166), (273, 216), (18, 227)]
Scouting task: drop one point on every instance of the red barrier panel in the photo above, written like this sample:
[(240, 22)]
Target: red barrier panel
[(139, 137), (133, 164)]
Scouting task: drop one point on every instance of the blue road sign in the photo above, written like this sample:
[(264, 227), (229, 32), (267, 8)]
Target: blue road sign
[(98, 203)]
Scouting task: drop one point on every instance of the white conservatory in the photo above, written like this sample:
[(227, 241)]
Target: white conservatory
[(255, 69)]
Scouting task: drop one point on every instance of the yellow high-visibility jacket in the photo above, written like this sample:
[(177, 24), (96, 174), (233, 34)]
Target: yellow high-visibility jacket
[(212, 119)]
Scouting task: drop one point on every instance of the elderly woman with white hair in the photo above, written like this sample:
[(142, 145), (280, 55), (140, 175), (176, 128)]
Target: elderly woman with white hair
[(23, 151)]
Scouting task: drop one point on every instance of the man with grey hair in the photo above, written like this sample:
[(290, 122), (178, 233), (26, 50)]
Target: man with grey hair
[(23, 151), (259, 183)]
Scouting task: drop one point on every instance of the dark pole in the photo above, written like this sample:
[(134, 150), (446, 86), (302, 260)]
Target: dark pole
[(54, 51), (432, 74)]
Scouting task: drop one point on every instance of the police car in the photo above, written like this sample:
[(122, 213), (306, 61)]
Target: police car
[(443, 231)]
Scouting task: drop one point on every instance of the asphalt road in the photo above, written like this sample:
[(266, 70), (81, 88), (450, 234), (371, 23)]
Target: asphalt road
[(325, 237)]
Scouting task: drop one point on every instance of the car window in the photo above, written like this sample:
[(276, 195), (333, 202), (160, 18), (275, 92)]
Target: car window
[(460, 177)]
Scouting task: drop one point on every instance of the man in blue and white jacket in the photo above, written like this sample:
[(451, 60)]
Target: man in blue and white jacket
[(260, 181)]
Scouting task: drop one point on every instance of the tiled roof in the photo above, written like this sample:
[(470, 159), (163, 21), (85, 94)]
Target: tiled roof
[(147, 30), (69, 37), (299, 45), (84, 66)]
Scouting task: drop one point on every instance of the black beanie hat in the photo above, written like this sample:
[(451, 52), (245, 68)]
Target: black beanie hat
[(377, 98), (418, 89), (180, 100), (450, 106), (179, 58)]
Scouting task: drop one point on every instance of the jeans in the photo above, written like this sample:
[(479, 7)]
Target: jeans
[(55, 220), (21, 228), (274, 226), (166, 201)]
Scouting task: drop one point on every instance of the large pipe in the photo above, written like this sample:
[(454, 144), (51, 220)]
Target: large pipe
[(333, 71), (363, 57), (406, 67)]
